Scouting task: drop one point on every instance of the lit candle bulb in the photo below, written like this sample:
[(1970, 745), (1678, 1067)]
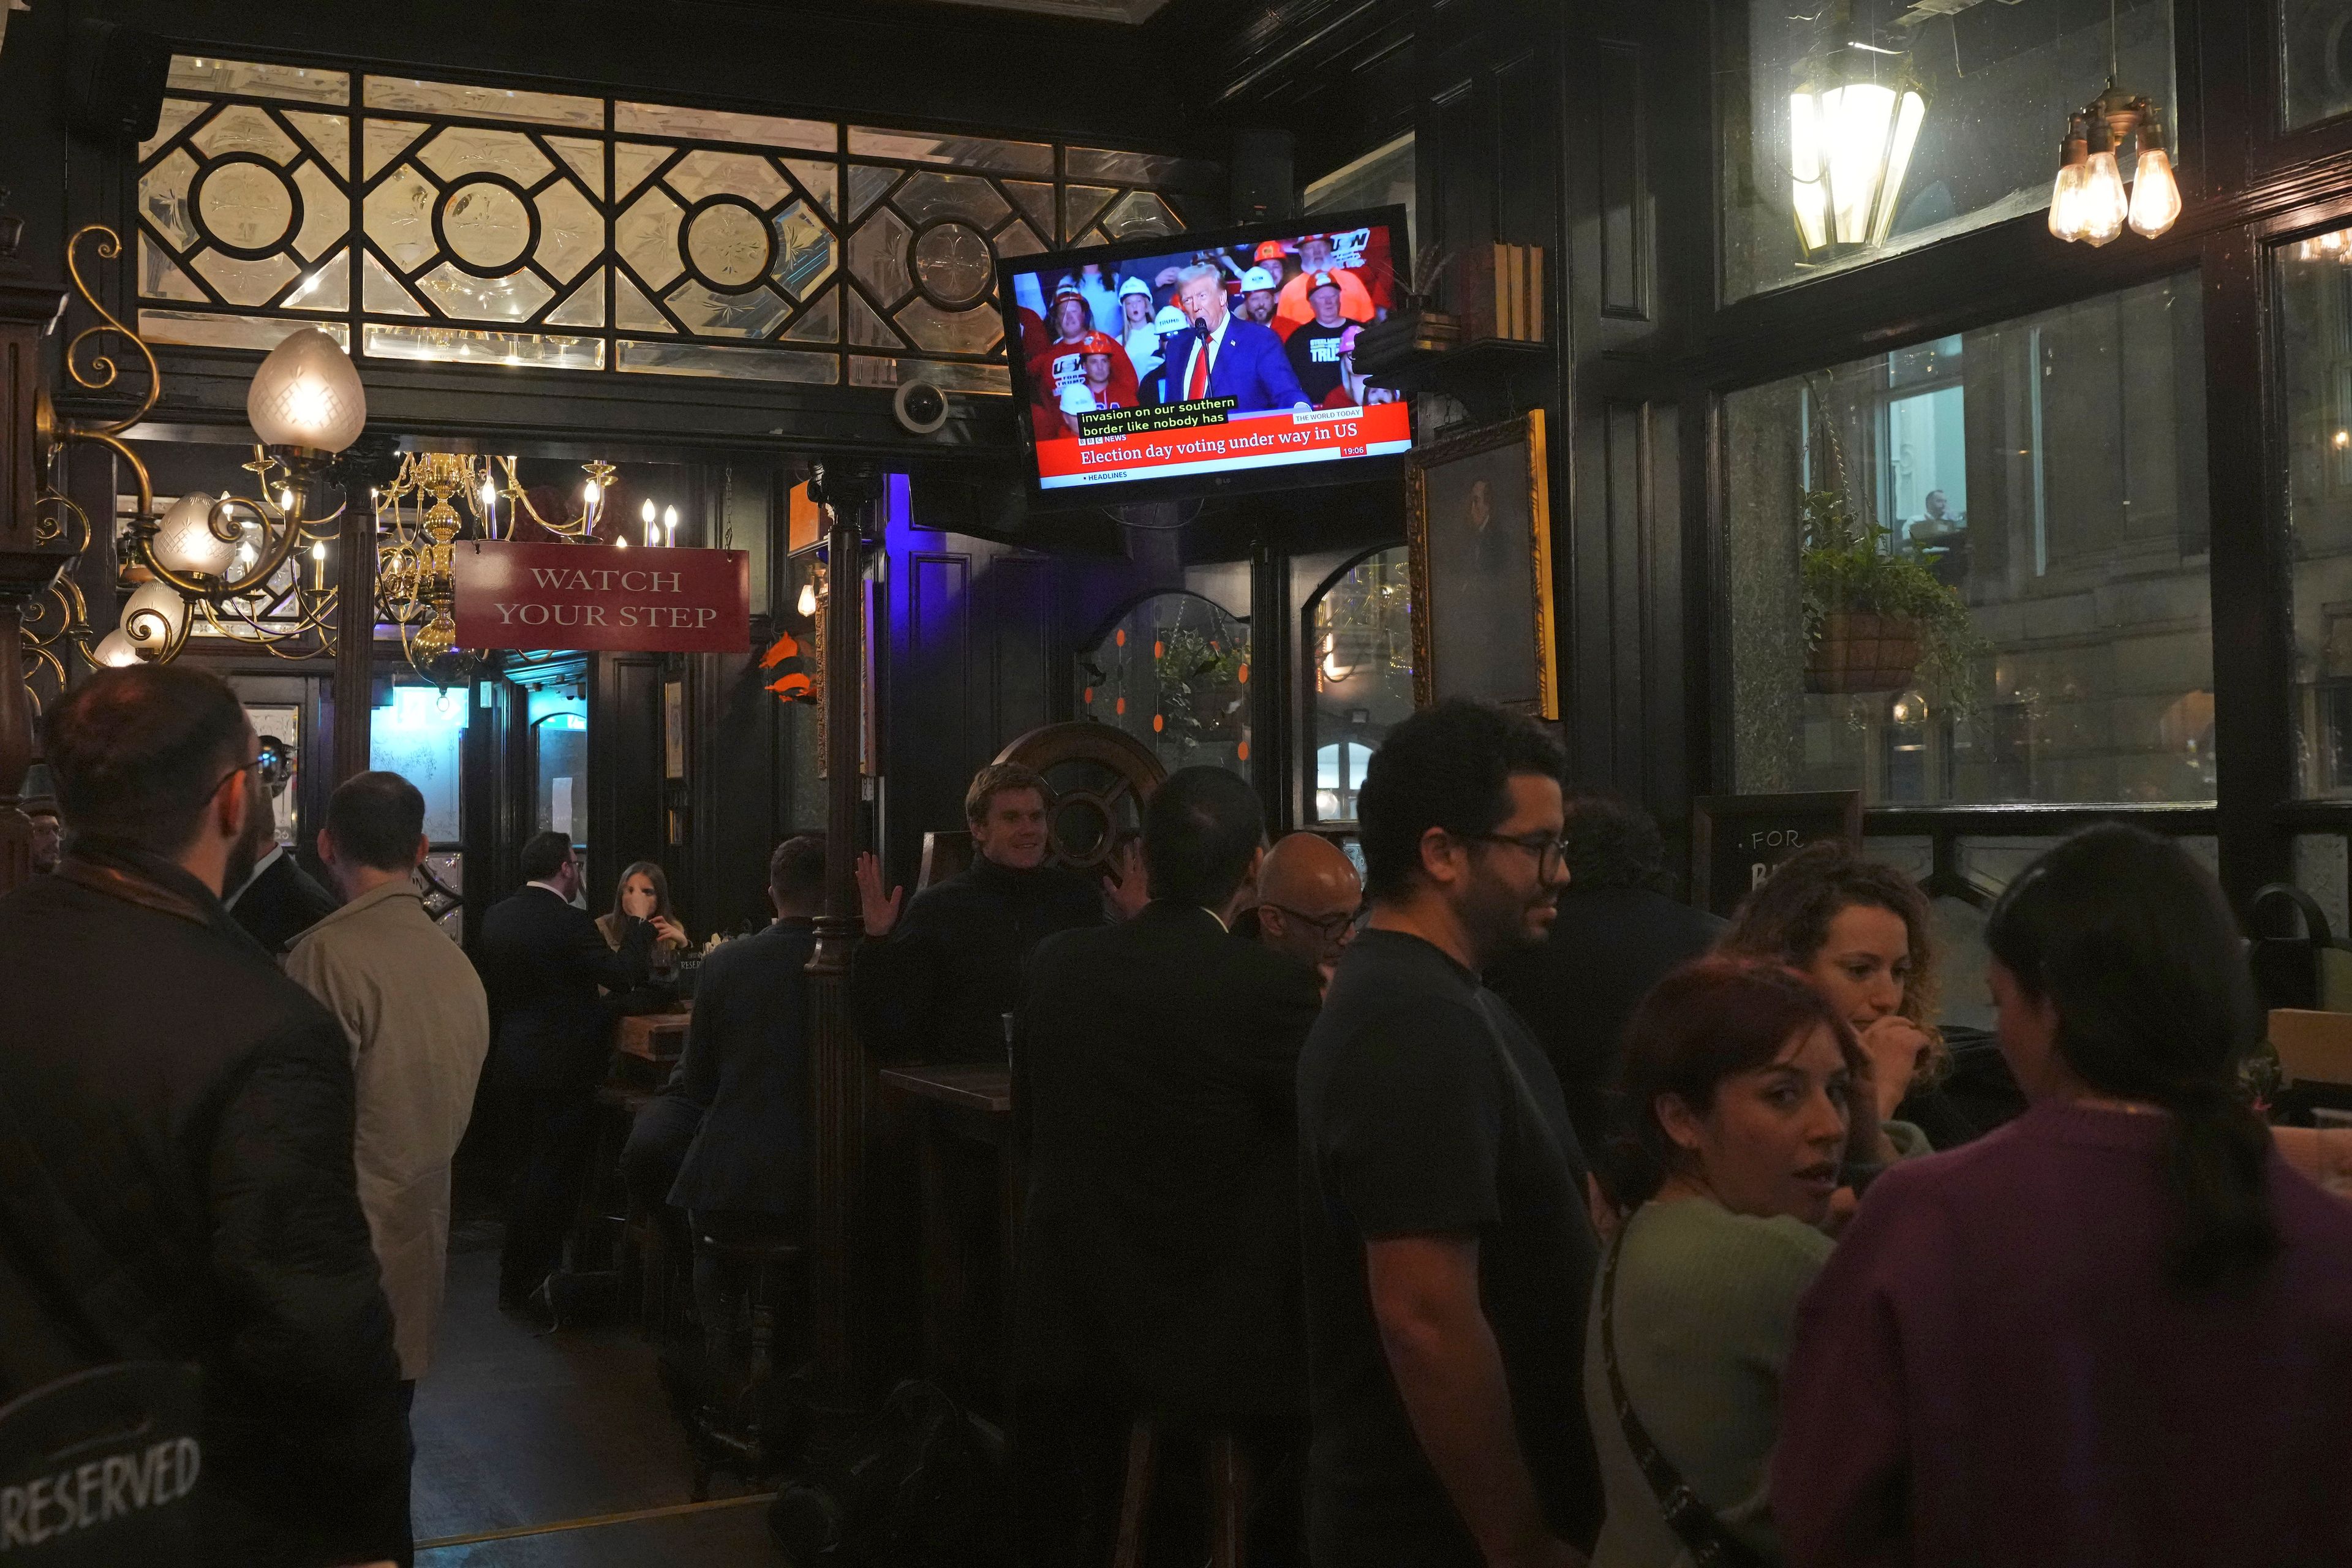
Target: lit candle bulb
[(669, 526), (590, 494), (648, 512), (318, 563), (2156, 195), (808, 599)]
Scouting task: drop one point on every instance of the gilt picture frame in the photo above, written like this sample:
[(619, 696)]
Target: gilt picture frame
[(1478, 531)]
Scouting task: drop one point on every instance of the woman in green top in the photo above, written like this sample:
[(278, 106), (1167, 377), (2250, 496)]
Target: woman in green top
[(1738, 1078)]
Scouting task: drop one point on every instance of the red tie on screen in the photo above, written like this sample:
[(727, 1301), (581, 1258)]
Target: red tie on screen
[(1200, 387)]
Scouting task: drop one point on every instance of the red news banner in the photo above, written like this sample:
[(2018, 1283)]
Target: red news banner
[(563, 597), (1246, 441)]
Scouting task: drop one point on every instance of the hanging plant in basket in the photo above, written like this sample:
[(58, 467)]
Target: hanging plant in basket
[(1875, 620)]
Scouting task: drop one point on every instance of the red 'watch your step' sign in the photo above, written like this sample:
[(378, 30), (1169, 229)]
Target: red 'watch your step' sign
[(535, 597)]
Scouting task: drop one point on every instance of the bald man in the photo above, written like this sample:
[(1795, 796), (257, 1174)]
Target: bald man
[(1307, 894)]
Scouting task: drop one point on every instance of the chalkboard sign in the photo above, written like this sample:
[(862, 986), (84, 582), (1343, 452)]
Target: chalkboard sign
[(1737, 839)]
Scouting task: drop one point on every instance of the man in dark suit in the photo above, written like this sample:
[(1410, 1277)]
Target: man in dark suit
[(1228, 356), (176, 1179), (1616, 935), (746, 1063), (278, 900), (1155, 1067), (542, 959)]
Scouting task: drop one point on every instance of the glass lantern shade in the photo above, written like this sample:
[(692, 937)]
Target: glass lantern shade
[(153, 617), (1849, 149), (184, 542), (307, 393)]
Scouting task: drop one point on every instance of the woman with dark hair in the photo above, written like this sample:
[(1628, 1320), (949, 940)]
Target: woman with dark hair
[(1736, 1080), (1861, 931), (643, 894), (2117, 1330)]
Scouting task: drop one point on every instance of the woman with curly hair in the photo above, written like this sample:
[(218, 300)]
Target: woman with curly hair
[(1861, 931)]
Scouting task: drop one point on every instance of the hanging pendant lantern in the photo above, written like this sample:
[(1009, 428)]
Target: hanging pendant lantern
[(1850, 137)]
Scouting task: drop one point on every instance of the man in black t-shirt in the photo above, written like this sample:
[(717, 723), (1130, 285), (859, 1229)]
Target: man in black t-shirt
[(1314, 346), (1449, 1254)]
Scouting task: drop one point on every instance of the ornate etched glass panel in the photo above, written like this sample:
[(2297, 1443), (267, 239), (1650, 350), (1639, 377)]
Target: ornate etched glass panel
[(466, 223)]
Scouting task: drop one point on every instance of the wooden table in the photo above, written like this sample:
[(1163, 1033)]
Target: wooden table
[(652, 1036), (965, 1112)]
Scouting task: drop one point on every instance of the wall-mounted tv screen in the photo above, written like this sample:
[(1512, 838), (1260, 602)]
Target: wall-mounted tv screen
[(1196, 360)]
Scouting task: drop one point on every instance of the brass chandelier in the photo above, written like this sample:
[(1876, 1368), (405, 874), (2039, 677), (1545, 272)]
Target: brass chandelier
[(420, 527), (233, 562)]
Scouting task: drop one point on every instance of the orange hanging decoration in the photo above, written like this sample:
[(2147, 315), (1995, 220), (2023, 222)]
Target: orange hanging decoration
[(1121, 709), (1160, 650), (794, 688), (1241, 752), (1119, 636), (1159, 722), (783, 648), (1243, 676)]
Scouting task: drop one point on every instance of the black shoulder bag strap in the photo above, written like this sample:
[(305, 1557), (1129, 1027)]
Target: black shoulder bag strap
[(1709, 1544)]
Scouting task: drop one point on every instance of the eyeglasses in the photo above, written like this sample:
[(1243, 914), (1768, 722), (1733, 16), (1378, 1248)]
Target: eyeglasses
[(1551, 854), (240, 768), (1327, 927)]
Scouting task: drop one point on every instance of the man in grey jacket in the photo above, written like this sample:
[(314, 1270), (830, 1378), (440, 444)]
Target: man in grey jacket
[(419, 1026)]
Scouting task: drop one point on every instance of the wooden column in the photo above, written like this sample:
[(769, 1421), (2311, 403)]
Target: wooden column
[(370, 462), (26, 569), (841, 1076)]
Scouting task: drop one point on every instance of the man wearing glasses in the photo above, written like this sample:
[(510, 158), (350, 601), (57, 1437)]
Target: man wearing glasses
[(176, 1119), (1307, 894), (1449, 1254)]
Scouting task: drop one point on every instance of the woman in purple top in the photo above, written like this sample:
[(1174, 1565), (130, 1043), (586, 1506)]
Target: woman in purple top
[(2118, 1331)]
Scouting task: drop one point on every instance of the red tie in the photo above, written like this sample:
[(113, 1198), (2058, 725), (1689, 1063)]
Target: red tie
[(1200, 387)]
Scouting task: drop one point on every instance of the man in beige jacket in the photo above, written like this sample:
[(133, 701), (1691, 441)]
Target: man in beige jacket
[(419, 1027)]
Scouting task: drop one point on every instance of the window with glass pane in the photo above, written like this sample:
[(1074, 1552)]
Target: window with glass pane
[(2314, 59), (500, 226), (1381, 177), (1359, 644), (1175, 673), (2314, 303), (1858, 129), (2047, 476)]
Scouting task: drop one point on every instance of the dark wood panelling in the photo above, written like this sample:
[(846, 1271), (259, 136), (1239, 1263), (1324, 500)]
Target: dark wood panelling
[(1017, 620), (1621, 159), (624, 751)]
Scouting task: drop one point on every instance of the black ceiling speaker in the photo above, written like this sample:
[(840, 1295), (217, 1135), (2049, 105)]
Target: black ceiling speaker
[(115, 77)]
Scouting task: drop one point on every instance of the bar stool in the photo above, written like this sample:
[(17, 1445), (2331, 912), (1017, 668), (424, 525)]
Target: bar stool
[(1228, 1479), (743, 1439)]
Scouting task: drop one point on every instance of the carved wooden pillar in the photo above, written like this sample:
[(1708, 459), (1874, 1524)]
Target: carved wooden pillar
[(368, 463), (841, 1075), (26, 570)]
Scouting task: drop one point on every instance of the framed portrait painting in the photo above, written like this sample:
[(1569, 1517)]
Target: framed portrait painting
[(1478, 523)]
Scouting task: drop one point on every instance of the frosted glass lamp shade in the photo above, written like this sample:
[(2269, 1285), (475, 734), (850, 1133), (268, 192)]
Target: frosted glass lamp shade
[(307, 393), (114, 651), (184, 542), (153, 616)]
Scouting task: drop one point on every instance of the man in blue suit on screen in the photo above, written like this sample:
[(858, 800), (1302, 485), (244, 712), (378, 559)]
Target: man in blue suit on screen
[(1226, 356)]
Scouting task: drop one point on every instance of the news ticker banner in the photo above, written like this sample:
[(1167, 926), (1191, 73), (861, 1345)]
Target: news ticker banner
[(1124, 445), (616, 598)]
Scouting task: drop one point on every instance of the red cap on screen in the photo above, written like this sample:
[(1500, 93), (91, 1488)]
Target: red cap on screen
[(1270, 250), (1322, 280), (1096, 343)]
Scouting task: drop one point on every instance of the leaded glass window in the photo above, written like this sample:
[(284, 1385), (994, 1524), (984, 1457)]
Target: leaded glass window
[(432, 220)]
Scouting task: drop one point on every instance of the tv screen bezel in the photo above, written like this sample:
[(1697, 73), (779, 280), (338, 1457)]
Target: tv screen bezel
[(1292, 476)]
